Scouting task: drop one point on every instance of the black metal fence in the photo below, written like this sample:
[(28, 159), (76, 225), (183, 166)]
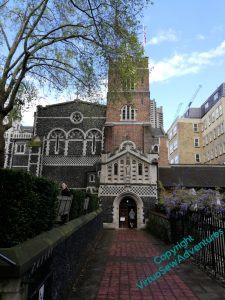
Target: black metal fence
[(200, 225)]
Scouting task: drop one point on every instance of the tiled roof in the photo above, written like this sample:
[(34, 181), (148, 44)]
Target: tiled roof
[(157, 132), (193, 176)]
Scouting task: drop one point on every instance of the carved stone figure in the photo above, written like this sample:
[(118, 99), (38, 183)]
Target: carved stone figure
[(127, 169)]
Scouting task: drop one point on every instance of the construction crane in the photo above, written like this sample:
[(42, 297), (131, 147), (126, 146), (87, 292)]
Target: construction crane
[(193, 98), (178, 110)]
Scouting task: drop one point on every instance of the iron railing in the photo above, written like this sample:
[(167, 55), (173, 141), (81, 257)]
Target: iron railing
[(200, 225)]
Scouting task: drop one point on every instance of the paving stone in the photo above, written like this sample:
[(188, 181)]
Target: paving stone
[(123, 257)]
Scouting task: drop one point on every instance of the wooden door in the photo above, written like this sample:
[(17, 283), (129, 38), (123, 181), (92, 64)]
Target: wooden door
[(123, 216)]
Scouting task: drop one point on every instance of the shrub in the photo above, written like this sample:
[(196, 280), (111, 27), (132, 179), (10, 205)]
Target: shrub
[(93, 202), (77, 207), (27, 206)]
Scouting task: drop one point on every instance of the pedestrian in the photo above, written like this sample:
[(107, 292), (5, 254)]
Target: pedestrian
[(64, 190), (132, 217)]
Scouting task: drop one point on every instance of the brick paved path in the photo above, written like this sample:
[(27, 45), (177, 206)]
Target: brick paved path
[(122, 258)]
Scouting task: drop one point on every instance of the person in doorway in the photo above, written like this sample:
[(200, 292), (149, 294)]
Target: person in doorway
[(64, 190), (132, 218)]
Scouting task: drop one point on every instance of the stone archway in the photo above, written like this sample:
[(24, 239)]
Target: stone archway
[(139, 204)]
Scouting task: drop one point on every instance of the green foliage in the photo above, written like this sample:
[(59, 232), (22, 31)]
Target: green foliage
[(159, 227), (76, 47), (36, 142), (26, 94), (27, 206), (63, 44), (161, 192), (93, 202), (77, 207)]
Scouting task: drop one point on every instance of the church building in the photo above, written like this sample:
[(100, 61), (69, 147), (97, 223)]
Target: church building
[(129, 162), (111, 150)]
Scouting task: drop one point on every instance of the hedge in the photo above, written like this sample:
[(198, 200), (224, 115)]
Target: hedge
[(27, 206), (93, 202), (77, 207)]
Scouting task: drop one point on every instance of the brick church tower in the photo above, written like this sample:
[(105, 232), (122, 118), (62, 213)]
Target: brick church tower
[(128, 178), (128, 109)]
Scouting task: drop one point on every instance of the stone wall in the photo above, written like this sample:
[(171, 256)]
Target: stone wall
[(148, 205), (74, 176), (107, 206), (159, 225), (51, 261)]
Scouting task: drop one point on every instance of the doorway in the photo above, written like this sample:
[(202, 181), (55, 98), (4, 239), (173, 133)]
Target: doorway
[(126, 205)]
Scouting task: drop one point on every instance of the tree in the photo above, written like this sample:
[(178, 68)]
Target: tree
[(62, 43)]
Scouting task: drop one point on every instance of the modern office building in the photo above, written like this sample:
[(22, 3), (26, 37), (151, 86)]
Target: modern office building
[(156, 115), (198, 137)]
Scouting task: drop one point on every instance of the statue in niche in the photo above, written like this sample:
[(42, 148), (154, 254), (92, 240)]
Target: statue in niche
[(127, 169)]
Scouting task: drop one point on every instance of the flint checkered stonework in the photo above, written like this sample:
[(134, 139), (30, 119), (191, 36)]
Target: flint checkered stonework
[(115, 190), (69, 161)]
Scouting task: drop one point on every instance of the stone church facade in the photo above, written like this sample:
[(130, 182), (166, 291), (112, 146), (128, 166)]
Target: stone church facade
[(108, 149)]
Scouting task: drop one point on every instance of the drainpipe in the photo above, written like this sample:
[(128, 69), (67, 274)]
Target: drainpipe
[(157, 188), (156, 163)]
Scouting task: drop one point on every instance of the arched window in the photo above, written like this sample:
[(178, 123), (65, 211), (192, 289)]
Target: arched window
[(93, 144), (75, 142), (56, 142), (57, 145), (128, 113), (20, 148), (129, 84), (116, 169), (92, 178), (156, 148), (140, 169), (94, 141)]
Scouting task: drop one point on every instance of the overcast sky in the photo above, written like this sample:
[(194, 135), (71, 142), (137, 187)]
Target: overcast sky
[(185, 41)]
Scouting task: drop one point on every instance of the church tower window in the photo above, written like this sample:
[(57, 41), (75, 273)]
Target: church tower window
[(128, 113)]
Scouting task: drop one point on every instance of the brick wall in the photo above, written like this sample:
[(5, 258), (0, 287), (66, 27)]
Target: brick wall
[(141, 102), (163, 151), (119, 133)]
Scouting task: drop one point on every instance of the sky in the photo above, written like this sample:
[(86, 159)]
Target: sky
[(185, 43)]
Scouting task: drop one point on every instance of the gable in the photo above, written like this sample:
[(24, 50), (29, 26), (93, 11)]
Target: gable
[(65, 109)]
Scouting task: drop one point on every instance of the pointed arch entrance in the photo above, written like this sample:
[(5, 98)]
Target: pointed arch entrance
[(121, 208)]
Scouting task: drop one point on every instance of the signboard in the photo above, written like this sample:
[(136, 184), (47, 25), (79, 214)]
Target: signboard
[(122, 219), (41, 292)]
